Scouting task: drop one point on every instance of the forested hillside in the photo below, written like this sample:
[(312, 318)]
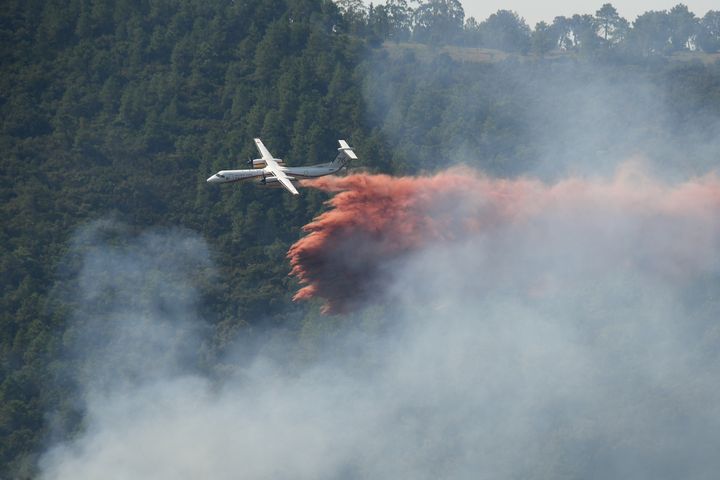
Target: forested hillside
[(121, 110)]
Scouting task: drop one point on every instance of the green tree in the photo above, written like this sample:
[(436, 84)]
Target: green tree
[(563, 29), (354, 14), (505, 30), (400, 18), (683, 27), (438, 22), (708, 38), (471, 32), (379, 26), (611, 26), (544, 39), (584, 29), (651, 33)]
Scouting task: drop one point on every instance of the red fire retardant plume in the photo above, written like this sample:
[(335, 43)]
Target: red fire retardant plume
[(374, 220)]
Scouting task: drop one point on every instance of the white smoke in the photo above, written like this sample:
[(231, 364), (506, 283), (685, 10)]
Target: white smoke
[(501, 358), (564, 347)]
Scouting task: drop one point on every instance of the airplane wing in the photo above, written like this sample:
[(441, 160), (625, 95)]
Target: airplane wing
[(282, 178), (347, 150), (275, 169), (266, 155)]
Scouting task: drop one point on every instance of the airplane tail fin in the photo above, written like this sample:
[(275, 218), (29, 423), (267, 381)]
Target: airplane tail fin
[(345, 154)]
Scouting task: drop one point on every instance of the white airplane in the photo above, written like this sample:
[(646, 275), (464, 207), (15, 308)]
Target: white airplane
[(271, 172)]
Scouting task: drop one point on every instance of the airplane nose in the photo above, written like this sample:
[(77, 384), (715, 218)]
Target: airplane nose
[(212, 179)]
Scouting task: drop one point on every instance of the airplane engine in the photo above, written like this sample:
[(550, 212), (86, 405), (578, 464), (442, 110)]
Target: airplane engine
[(272, 182), (260, 163)]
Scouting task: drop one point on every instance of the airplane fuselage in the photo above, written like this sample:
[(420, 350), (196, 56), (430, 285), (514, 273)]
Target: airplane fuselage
[(229, 176)]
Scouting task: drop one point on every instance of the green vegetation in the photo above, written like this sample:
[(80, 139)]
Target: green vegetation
[(122, 109)]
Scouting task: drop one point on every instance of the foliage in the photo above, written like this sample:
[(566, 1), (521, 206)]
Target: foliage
[(505, 30), (121, 110), (610, 24), (543, 39), (708, 38), (438, 22)]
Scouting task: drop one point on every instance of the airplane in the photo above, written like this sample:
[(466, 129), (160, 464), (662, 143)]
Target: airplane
[(272, 172)]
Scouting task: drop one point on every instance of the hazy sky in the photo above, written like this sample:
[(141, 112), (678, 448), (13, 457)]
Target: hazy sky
[(546, 10)]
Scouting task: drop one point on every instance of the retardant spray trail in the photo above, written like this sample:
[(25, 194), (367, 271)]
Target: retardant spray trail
[(375, 220)]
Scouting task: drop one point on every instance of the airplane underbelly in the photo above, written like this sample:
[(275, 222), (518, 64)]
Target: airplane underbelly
[(308, 174)]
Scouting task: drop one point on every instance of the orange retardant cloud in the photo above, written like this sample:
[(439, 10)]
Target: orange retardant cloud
[(377, 219)]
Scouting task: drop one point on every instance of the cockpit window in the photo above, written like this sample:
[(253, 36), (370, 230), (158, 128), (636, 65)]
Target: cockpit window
[(221, 176)]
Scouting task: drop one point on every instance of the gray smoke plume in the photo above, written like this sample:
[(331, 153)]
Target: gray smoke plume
[(580, 342), (534, 350)]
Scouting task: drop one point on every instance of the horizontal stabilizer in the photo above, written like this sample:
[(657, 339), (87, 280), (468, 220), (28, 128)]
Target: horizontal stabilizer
[(344, 147)]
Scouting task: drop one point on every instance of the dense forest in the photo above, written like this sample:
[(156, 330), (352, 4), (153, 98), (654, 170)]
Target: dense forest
[(121, 109)]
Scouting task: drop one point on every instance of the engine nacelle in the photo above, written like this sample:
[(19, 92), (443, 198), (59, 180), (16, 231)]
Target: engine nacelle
[(260, 163), (272, 182)]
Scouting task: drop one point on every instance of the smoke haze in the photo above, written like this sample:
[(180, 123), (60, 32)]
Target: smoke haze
[(542, 119), (537, 330), (561, 323)]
